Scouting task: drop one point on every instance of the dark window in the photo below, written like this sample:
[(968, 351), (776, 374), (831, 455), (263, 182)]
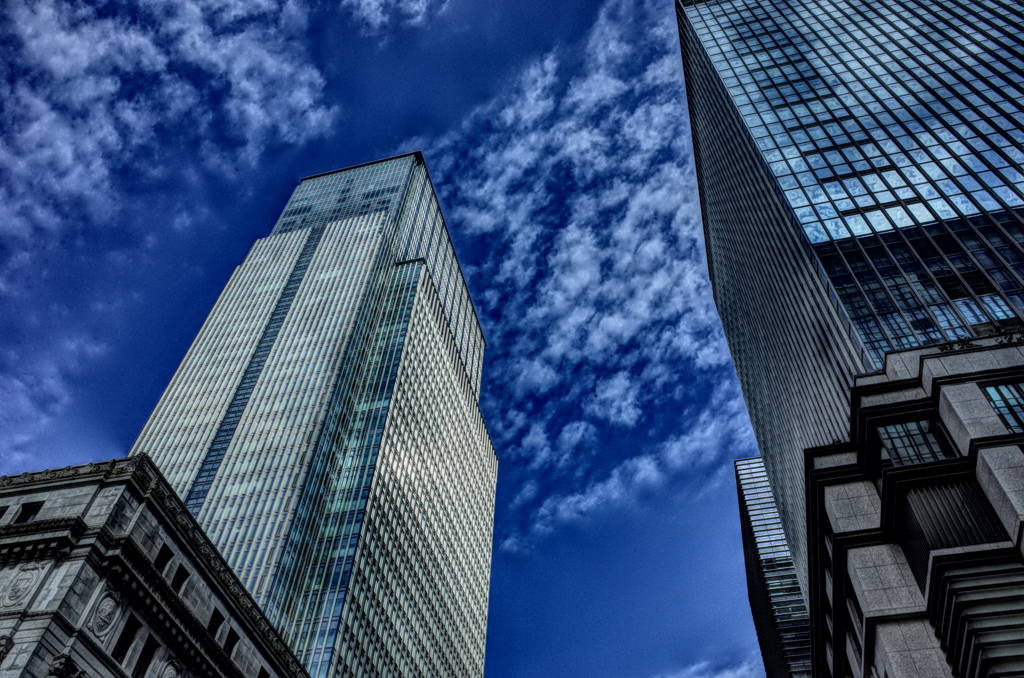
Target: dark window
[(264, 673), (232, 640), (856, 620), (181, 575), (913, 442), (146, 657), (124, 641), (216, 619), (162, 559), (29, 512), (1008, 401)]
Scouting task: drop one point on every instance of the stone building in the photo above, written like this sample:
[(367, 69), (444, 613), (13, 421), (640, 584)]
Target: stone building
[(915, 524), (103, 573)]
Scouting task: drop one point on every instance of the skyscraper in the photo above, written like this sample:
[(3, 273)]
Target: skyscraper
[(324, 429), (780, 616), (865, 163), (861, 171)]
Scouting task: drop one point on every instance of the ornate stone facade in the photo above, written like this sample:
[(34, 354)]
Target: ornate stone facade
[(103, 573)]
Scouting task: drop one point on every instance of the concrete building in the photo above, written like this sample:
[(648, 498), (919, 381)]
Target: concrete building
[(915, 524), (861, 173), (324, 429), (104, 574)]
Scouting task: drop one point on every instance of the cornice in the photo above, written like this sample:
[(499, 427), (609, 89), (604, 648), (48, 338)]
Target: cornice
[(57, 537), (54, 538), (167, 503), (162, 607)]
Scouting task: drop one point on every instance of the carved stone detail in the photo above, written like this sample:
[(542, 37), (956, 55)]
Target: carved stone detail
[(63, 666), (20, 585), (6, 643), (107, 612), (172, 669)]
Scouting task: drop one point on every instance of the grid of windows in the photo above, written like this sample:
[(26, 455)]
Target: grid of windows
[(1008, 401), (275, 419), (226, 430), (888, 127), (775, 563), (887, 139), (912, 442), (794, 349)]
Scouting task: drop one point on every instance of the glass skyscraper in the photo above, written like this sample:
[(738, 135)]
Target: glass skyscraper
[(861, 173), (780, 616), (324, 429), (864, 162)]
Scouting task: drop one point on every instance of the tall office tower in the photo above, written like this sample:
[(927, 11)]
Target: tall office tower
[(861, 171), (324, 429), (863, 165), (780, 616)]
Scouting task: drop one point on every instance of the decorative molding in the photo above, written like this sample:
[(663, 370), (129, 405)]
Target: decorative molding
[(106, 614), (172, 669), (21, 584), (63, 666), (74, 524), (146, 593), (216, 565), (6, 643), (141, 472), (54, 538)]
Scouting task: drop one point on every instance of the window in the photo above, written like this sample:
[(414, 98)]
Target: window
[(29, 511), (124, 641), (1008, 401), (181, 575), (216, 619), (264, 673), (230, 642), (912, 442), (145, 657), (162, 559)]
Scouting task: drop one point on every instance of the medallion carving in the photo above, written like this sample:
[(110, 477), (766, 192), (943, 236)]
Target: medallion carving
[(20, 585), (106, 615)]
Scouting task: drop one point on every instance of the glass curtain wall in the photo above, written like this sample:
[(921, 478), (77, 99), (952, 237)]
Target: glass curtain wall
[(273, 424), (895, 131)]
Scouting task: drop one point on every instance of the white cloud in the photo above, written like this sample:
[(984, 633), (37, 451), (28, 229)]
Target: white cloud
[(617, 399), (96, 94), (379, 14), (748, 669), (33, 390), (99, 99), (719, 432), (580, 186)]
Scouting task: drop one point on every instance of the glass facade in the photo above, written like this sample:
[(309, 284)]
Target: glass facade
[(780, 616), (864, 162), (324, 429), (895, 133)]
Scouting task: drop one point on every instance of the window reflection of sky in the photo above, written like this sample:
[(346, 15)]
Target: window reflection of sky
[(888, 127)]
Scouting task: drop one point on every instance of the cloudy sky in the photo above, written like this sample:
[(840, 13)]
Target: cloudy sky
[(145, 144)]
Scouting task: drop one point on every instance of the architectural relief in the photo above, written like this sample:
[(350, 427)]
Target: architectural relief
[(107, 614), (109, 547), (21, 584)]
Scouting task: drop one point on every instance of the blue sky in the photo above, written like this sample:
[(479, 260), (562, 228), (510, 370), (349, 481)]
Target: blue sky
[(145, 145)]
